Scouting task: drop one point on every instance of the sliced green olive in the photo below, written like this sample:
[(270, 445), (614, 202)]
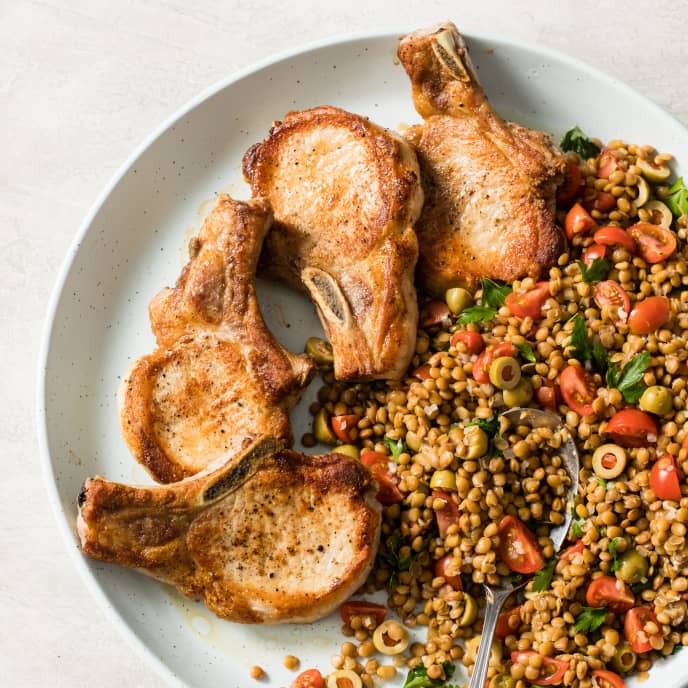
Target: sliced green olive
[(659, 213), (633, 567), (344, 677), (519, 395), (608, 461), (470, 611), (502, 681), (347, 450), (655, 173), (643, 193), (657, 400), (458, 299), (443, 480), (624, 659), (476, 440), (505, 372), (496, 651), (321, 428), (441, 341), (320, 350), (390, 638)]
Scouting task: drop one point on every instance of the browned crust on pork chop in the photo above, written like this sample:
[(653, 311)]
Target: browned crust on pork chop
[(273, 536), (345, 194), (489, 184), (218, 378)]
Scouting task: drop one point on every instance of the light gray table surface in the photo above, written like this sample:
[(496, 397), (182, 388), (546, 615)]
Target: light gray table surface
[(82, 83)]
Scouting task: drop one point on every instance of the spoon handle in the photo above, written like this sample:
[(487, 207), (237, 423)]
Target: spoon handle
[(495, 599)]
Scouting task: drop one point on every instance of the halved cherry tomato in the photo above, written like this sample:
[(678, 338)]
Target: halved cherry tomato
[(342, 426), (600, 200), (610, 592), (518, 548), (601, 678), (473, 340), (422, 372), (433, 313), (571, 187), (529, 303), (447, 516), (440, 569), (655, 243), (607, 164), (573, 549), (311, 678), (633, 428), (378, 464), (552, 671), (578, 221), (612, 296), (362, 608), (613, 236), (664, 478), (503, 627), (370, 458), (578, 389), (547, 397), (634, 623), (593, 252), (482, 364), (649, 315)]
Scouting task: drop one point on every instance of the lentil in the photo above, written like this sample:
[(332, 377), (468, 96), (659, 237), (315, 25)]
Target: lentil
[(257, 672)]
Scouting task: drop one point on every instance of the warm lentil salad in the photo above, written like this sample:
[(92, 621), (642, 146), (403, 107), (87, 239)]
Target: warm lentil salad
[(469, 498)]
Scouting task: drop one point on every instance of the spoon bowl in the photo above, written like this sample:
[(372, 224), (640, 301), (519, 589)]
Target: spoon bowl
[(496, 595)]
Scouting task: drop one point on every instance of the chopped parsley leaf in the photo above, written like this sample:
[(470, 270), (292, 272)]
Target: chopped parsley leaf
[(397, 448), (628, 380), (526, 351), (590, 619), (492, 299), (612, 550), (600, 357), (596, 272), (418, 677), (476, 314), (490, 426), (493, 294), (579, 340), (543, 578), (677, 200), (576, 523), (575, 140)]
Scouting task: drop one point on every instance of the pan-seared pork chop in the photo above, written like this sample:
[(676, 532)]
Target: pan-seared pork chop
[(273, 536), (218, 378), (489, 184), (345, 193)]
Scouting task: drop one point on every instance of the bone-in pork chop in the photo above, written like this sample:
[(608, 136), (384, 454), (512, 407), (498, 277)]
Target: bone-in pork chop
[(489, 184), (218, 378), (272, 536), (345, 193)]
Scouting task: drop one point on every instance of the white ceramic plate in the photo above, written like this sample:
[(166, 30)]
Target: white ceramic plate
[(134, 242)]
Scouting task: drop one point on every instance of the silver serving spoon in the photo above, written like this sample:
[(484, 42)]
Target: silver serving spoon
[(496, 595)]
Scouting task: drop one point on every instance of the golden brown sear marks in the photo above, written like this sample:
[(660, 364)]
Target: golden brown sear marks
[(218, 378), (489, 184), (273, 536), (345, 194)]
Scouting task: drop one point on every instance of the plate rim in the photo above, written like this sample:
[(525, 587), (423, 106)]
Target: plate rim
[(392, 33)]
